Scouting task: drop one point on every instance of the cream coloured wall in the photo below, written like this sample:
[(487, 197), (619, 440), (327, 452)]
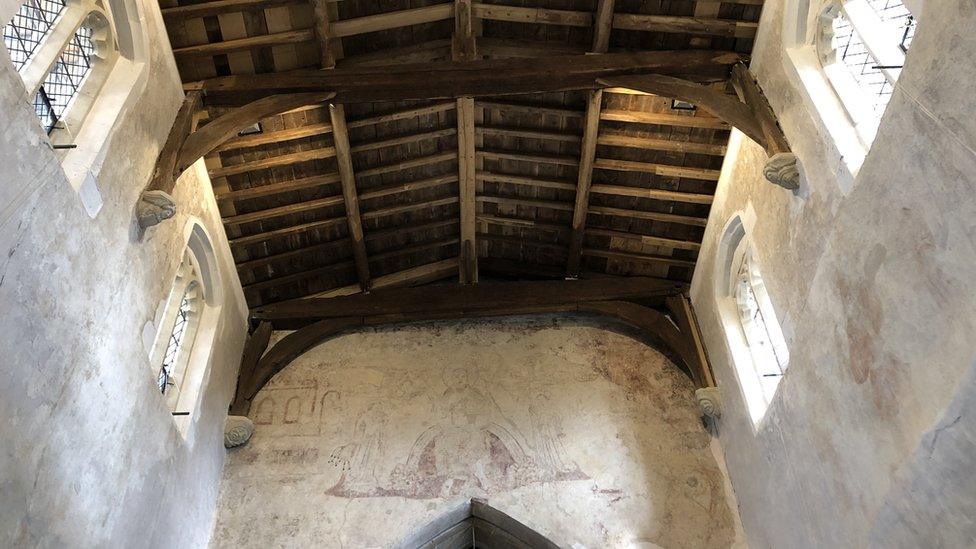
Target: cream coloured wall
[(867, 442), (90, 455), (571, 426)]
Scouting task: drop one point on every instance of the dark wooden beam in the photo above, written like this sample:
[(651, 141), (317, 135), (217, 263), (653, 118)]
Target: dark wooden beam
[(256, 345), (463, 46), (473, 78), (782, 168), (220, 7), (728, 108), (349, 194), (693, 350), (466, 190), (466, 299), (156, 204), (591, 128), (225, 127), (602, 296), (323, 33), (602, 25), (244, 44)]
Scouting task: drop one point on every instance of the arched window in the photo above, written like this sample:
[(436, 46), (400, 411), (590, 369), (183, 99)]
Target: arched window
[(846, 56), (83, 64), (754, 334), (186, 308), (862, 46), (64, 52), (186, 329)]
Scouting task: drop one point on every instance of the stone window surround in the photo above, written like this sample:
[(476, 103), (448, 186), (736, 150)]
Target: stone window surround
[(116, 81), (735, 245), (198, 268), (828, 93)]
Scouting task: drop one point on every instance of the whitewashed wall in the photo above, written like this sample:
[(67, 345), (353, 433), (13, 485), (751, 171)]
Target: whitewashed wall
[(868, 441), (89, 454)]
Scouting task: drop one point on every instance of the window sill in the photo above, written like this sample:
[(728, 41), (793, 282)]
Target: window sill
[(822, 103), (83, 164)]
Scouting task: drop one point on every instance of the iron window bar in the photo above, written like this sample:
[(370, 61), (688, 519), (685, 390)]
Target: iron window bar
[(28, 28)]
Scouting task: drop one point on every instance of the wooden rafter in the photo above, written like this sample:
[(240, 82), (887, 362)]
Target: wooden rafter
[(245, 44), (349, 194), (465, 299), (481, 77), (464, 48), (603, 24), (289, 236), (216, 132), (317, 319), (467, 185)]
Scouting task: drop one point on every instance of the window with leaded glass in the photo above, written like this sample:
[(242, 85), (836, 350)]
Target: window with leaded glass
[(863, 45), (57, 46), (25, 32), (174, 346), (756, 341)]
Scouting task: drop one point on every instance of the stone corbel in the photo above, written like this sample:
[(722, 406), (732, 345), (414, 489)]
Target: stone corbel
[(154, 207), (782, 169), (750, 113), (237, 431), (709, 402)]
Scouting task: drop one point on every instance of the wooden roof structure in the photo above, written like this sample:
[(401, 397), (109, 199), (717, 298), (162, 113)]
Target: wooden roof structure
[(328, 199)]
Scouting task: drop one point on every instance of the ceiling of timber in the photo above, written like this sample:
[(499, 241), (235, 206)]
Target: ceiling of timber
[(279, 190)]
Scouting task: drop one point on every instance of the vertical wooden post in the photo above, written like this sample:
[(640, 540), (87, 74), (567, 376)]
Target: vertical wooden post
[(346, 174), (320, 13), (467, 182), (463, 48), (602, 26), (584, 180)]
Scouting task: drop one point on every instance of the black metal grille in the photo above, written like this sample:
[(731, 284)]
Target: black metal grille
[(65, 79), (29, 27), (894, 11), (854, 54), (175, 342)]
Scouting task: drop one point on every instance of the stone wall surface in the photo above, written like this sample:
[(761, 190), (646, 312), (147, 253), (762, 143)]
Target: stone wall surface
[(868, 441), (90, 455), (585, 435)]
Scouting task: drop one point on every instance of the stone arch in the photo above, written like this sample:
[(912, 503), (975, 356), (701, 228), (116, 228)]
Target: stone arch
[(477, 524)]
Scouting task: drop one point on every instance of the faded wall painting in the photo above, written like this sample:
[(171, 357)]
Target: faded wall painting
[(584, 434)]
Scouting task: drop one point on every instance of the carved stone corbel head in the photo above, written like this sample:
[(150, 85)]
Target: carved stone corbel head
[(709, 402), (154, 207), (237, 431), (782, 169)]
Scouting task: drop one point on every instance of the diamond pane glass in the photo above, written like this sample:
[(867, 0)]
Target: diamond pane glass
[(29, 27), (894, 11), (175, 343), (65, 79), (854, 54)]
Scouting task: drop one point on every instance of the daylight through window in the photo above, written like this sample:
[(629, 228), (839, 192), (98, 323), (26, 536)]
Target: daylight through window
[(869, 39)]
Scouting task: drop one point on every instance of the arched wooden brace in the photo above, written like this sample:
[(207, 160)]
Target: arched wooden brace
[(754, 117), (183, 148), (201, 142), (655, 325)]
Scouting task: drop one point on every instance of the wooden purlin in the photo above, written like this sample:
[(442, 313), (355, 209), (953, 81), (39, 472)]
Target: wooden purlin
[(349, 193)]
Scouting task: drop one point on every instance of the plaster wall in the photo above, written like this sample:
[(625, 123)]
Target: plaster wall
[(584, 434), (89, 453), (868, 441)]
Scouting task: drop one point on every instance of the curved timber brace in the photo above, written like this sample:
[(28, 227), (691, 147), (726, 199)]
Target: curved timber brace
[(674, 332), (185, 145), (265, 95), (752, 116)]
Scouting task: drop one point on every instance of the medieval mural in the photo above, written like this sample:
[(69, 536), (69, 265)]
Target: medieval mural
[(397, 424)]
